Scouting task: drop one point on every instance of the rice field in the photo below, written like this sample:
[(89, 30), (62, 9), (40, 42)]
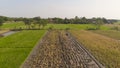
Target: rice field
[(16, 47), (105, 49), (104, 44), (17, 25), (109, 33), (58, 49)]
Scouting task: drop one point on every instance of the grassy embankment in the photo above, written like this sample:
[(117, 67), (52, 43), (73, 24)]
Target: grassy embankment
[(105, 49), (15, 48)]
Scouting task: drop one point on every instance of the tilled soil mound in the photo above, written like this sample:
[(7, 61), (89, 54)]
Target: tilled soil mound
[(58, 49)]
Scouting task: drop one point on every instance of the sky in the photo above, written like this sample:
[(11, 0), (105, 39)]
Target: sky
[(109, 9)]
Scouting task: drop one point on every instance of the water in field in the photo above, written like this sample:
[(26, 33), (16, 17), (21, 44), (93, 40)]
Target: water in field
[(9, 33)]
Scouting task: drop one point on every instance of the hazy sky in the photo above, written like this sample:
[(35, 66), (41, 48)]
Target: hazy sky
[(60, 8)]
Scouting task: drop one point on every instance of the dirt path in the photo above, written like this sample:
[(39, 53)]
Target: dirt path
[(59, 49)]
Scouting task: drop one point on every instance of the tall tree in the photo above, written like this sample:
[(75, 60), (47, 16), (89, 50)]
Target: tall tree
[(37, 20), (99, 22), (83, 20), (105, 21), (76, 20), (44, 22), (1, 21), (66, 21), (27, 22)]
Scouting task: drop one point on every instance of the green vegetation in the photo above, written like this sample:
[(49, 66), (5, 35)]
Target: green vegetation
[(70, 26), (54, 26), (12, 25), (110, 33), (55, 23), (15, 48), (13, 57)]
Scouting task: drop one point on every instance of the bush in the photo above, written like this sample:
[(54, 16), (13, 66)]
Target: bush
[(115, 28), (91, 28), (51, 27), (67, 29)]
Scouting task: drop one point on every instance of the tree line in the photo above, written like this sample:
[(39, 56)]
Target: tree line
[(42, 22), (81, 20)]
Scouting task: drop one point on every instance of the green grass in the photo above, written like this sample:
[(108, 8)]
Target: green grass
[(13, 57), (109, 33), (13, 25), (20, 39), (71, 26), (15, 48), (76, 26), (55, 26), (103, 27)]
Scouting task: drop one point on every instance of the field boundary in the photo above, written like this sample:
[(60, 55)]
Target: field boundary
[(81, 45), (35, 47)]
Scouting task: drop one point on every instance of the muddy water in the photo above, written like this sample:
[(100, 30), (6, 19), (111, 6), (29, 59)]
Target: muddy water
[(9, 33)]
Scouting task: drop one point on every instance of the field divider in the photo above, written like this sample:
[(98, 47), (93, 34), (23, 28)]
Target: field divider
[(33, 51), (84, 49)]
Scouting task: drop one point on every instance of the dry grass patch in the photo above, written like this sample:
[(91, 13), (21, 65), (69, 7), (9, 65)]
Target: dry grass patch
[(105, 49), (3, 31)]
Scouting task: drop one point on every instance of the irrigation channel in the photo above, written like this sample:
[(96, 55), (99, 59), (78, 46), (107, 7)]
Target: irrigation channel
[(8, 33), (59, 49)]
